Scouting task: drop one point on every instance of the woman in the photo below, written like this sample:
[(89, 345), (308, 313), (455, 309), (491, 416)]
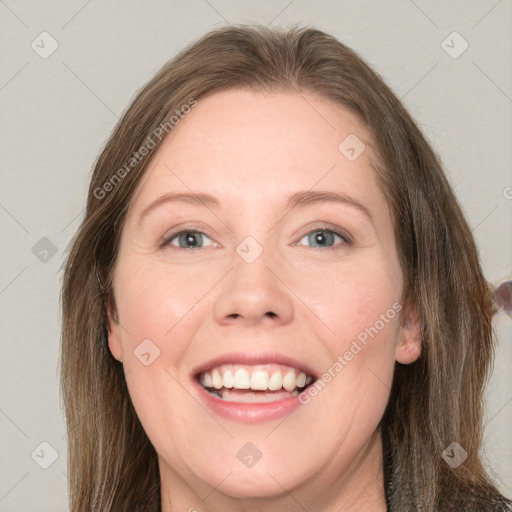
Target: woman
[(216, 354)]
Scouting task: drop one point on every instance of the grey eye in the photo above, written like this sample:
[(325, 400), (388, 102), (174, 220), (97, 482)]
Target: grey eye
[(189, 239), (322, 238)]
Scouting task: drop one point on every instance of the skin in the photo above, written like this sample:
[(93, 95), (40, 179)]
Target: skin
[(251, 151)]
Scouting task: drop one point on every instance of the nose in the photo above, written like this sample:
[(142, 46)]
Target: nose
[(254, 293)]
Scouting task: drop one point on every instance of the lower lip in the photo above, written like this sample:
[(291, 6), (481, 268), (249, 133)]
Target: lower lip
[(247, 412)]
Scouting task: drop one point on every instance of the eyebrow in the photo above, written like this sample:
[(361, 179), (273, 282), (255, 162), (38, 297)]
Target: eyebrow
[(298, 199), (311, 197)]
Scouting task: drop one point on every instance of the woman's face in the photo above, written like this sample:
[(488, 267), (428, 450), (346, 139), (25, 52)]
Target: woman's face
[(274, 265)]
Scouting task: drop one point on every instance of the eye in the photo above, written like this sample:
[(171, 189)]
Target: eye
[(195, 239), (187, 239), (323, 238)]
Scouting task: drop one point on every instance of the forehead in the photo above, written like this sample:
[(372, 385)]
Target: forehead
[(247, 144)]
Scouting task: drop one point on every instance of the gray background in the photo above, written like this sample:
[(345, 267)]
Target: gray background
[(58, 111)]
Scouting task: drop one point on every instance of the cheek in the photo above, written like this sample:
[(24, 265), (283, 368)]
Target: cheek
[(157, 313), (360, 305), (152, 297), (352, 297), (164, 304)]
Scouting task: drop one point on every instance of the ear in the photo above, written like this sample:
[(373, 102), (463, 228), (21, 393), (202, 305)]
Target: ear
[(408, 348), (114, 332)]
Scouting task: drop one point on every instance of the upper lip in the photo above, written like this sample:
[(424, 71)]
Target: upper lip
[(253, 359)]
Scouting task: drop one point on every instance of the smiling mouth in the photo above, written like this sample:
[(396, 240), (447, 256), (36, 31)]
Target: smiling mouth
[(254, 383)]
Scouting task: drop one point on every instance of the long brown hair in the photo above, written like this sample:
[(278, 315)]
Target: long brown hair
[(434, 402)]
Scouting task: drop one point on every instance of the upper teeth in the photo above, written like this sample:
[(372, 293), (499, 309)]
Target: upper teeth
[(259, 378)]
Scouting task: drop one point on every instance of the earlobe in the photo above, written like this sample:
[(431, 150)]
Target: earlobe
[(408, 348)]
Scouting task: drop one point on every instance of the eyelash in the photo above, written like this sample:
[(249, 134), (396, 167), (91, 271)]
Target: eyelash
[(346, 240)]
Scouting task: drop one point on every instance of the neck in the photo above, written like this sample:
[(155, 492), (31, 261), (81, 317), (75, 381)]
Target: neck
[(359, 489)]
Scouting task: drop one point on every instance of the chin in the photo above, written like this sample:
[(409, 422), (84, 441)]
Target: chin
[(251, 486), (258, 482)]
